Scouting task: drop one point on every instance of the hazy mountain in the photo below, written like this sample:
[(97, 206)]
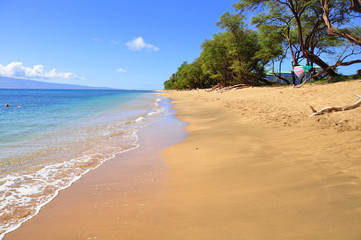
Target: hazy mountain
[(16, 83)]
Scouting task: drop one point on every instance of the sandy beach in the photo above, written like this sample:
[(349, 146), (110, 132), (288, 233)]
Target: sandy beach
[(180, 120), (256, 166), (253, 166)]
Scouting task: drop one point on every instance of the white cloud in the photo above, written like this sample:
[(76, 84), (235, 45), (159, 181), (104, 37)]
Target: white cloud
[(138, 44), (18, 70), (121, 70)]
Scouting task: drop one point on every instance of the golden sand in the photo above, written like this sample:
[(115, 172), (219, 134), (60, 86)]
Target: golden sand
[(254, 166)]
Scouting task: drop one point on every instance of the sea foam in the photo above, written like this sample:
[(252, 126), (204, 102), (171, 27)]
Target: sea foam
[(23, 192)]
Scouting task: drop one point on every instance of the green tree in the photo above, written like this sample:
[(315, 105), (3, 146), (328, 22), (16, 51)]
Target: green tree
[(237, 55), (247, 52), (216, 62), (189, 76), (194, 77), (303, 17)]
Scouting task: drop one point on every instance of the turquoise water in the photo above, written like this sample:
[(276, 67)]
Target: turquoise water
[(43, 110), (56, 136)]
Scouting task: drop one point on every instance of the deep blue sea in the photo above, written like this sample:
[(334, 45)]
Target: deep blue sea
[(50, 138)]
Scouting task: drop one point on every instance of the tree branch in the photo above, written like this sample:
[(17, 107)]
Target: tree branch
[(336, 109), (332, 31), (355, 5), (328, 68)]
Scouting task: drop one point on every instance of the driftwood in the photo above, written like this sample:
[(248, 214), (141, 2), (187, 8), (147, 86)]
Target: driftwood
[(336, 109), (212, 88), (217, 88), (237, 86)]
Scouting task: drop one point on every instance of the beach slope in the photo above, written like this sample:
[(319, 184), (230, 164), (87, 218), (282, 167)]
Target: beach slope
[(256, 166)]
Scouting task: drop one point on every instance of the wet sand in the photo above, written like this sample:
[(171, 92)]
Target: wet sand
[(122, 199), (254, 166)]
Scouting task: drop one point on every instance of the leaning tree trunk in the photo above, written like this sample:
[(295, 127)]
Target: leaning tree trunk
[(315, 59), (310, 55)]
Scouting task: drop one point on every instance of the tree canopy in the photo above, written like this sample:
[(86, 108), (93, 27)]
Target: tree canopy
[(307, 31)]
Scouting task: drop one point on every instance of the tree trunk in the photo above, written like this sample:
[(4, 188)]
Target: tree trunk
[(307, 53), (356, 5), (224, 81), (315, 59), (293, 78), (282, 78), (344, 33)]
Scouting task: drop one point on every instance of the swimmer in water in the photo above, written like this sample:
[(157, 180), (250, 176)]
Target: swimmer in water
[(7, 105)]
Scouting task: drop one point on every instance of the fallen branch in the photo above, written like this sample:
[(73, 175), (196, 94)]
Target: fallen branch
[(212, 88), (306, 80), (336, 109), (237, 86)]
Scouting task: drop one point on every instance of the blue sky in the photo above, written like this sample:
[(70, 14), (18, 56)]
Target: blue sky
[(120, 44)]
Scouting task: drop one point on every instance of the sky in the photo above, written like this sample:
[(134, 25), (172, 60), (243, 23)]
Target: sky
[(107, 43)]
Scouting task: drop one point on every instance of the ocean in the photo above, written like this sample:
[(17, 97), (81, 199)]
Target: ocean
[(55, 136)]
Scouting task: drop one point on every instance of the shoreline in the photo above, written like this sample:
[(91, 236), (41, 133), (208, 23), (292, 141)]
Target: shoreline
[(122, 193), (51, 160), (249, 165), (56, 193)]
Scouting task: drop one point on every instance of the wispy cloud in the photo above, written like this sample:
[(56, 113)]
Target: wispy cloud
[(138, 44), (18, 70), (115, 42), (121, 70)]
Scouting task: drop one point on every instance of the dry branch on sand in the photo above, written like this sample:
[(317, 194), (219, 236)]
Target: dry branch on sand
[(218, 88), (336, 109)]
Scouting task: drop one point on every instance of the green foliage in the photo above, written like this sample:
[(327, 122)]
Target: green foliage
[(338, 78), (302, 25), (356, 30), (235, 57), (239, 55), (248, 51), (216, 62), (189, 76), (271, 43)]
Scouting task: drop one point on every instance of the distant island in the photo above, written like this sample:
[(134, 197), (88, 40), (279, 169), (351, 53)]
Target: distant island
[(17, 83)]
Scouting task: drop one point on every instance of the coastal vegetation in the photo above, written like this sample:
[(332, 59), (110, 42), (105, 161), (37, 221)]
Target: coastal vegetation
[(309, 32)]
